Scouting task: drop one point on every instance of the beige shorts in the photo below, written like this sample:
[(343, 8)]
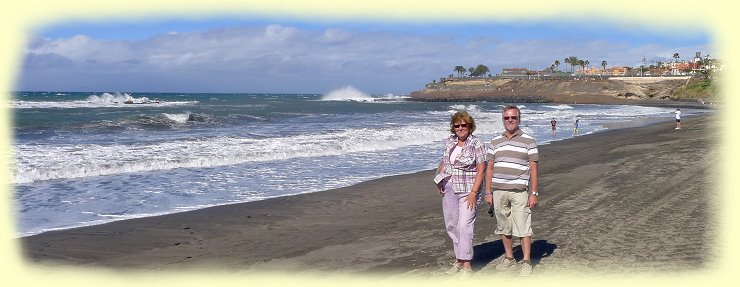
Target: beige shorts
[(513, 217)]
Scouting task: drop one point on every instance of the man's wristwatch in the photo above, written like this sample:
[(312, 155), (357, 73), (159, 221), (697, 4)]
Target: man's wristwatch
[(535, 193)]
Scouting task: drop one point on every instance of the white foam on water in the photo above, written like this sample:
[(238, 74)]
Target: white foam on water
[(391, 98), (606, 113), (105, 219), (179, 118), (118, 100), (471, 109), (560, 107), (46, 162)]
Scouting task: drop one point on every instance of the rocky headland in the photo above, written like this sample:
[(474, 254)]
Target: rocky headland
[(614, 90)]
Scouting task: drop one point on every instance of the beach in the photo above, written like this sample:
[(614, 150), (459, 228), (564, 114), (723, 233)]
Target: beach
[(624, 200), (192, 151)]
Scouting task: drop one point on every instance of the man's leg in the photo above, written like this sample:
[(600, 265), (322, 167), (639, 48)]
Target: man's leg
[(508, 248), (526, 247), (526, 262), (502, 210)]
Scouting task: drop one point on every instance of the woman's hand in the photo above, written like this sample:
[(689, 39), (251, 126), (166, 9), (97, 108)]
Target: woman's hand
[(472, 199)]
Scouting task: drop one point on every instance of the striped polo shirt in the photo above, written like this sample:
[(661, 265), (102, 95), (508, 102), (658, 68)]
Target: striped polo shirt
[(511, 159)]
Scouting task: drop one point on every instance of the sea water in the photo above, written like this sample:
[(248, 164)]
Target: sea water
[(89, 158)]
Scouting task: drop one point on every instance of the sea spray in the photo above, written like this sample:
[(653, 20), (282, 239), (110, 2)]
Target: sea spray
[(347, 93)]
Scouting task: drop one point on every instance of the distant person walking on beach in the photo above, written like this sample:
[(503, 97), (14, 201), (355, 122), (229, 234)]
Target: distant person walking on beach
[(553, 123), (678, 119), (511, 187), (459, 178), (575, 127)]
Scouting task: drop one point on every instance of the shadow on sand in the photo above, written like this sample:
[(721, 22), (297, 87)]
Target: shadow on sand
[(487, 252)]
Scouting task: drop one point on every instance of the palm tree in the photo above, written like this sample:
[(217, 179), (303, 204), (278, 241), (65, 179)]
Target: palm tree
[(557, 64), (481, 70), (573, 62), (585, 64), (567, 60), (460, 70), (580, 63), (471, 70), (603, 69), (676, 56)]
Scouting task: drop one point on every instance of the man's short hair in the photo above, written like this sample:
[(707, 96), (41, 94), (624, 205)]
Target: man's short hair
[(512, 107)]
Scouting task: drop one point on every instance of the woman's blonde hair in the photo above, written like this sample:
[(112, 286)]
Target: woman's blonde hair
[(464, 116)]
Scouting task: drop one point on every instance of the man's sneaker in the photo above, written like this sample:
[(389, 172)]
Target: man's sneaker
[(505, 263), (526, 269), (454, 269), (466, 273)]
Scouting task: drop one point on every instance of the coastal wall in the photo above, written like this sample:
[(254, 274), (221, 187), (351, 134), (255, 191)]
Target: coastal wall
[(643, 80), (616, 90)]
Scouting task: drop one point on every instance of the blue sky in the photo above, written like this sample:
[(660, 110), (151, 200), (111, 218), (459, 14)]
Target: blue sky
[(282, 55)]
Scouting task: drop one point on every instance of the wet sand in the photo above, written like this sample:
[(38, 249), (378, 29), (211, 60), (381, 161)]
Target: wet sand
[(628, 200)]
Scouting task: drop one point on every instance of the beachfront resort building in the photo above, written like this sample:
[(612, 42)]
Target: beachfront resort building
[(679, 68), (658, 69), (514, 72), (600, 71)]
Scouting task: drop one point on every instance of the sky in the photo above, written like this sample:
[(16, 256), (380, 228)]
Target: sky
[(283, 55)]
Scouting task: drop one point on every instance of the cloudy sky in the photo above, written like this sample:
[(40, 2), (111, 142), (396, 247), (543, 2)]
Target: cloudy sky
[(264, 55)]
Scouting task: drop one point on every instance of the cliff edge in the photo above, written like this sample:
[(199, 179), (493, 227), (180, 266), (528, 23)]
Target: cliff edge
[(586, 91)]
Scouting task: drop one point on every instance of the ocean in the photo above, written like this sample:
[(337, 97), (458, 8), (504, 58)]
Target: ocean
[(89, 158)]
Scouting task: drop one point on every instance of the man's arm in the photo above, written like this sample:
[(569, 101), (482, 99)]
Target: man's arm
[(487, 196), (534, 183)]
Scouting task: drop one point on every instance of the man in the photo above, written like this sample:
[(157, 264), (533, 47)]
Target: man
[(553, 123), (511, 187)]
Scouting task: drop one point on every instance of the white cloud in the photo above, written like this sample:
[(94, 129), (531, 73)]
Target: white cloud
[(84, 49), (278, 33), (335, 36)]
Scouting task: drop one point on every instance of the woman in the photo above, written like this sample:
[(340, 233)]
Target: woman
[(458, 180)]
